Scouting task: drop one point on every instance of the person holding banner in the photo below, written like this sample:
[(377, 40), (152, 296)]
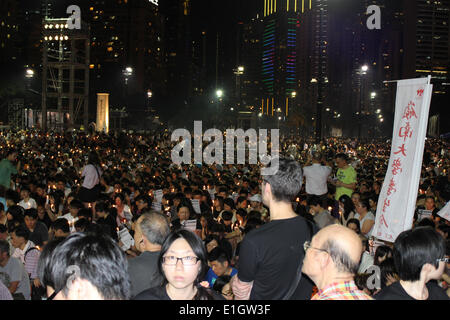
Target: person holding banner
[(419, 256), (346, 177)]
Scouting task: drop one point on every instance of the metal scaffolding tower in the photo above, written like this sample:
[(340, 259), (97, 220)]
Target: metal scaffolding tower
[(65, 76)]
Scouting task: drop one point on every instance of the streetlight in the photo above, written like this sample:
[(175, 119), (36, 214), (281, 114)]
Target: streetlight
[(149, 94), (373, 95), (364, 70), (219, 93), (29, 73), (294, 94)]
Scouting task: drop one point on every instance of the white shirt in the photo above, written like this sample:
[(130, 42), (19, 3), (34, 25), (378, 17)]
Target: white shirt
[(71, 220), (91, 177), (20, 254), (29, 204), (316, 177), (368, 216)]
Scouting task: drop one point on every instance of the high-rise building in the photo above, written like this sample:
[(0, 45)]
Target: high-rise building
[(251, 51), (427, 30), (9, 42), (281, 20)]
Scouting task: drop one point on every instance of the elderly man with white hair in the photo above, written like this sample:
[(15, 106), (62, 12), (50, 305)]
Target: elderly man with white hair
[(331, 261)]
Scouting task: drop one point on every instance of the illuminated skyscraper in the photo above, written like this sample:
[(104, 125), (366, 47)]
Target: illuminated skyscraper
[(279, 68)]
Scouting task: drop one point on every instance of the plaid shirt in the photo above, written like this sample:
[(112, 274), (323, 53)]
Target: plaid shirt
[(341, 291)]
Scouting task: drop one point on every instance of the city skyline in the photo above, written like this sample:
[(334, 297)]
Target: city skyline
[(185, 50)]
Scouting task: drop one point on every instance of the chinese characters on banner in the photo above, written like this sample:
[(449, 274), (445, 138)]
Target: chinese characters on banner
[(398, 195)]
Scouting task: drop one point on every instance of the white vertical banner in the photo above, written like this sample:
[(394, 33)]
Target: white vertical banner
[(397, 201)]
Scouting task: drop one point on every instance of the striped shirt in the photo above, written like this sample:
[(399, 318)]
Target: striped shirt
[(341, 291), (30, 259), (4, 292)]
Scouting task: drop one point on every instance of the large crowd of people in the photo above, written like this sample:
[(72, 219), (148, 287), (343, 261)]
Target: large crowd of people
[(110, 216)]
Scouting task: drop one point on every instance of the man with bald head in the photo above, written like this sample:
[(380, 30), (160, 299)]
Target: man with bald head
[(151, 230), (331, 261)]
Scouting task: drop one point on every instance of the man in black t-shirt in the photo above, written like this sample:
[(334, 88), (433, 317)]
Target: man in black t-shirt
[(271, 256), (38, 230)]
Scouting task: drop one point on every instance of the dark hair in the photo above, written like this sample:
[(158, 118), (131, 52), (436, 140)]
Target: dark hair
[(188, 204), (365, 203), (154, 227), (85, 213), (415, 248), (23, 232), (349, 206), (101, 206), (361, 280), (387, 268), (82, 224), (340, 257), (252, 223), (229, 202), (76, 204), (32, 213), (17, 213), (93, 158), (287, 181), (220, 255), (382, 251), (355, 221), (221, 282), (227, 215), (241, 212), (241, 199), (199, 250), (426, 222), (61, 224), (314, 201), (4, 246), (97, 258), (3, 228), (45, 260), (342, 156)]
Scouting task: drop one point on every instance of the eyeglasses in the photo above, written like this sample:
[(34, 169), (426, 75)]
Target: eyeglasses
[(186, 261), (307, 245), (446, 260)]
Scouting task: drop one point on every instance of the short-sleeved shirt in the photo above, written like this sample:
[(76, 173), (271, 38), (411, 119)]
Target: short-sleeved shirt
[(316, 177), (40, 234), (347, 176), (91, 176), (211, 276), (31, 203), (16, 272), (271, 256), (6, 170)]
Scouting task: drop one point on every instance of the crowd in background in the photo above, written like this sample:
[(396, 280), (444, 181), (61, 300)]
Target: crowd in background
[(193, 231)]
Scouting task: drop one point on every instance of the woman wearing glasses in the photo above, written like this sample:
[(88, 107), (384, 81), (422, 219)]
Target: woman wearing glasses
[(183, 264)]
